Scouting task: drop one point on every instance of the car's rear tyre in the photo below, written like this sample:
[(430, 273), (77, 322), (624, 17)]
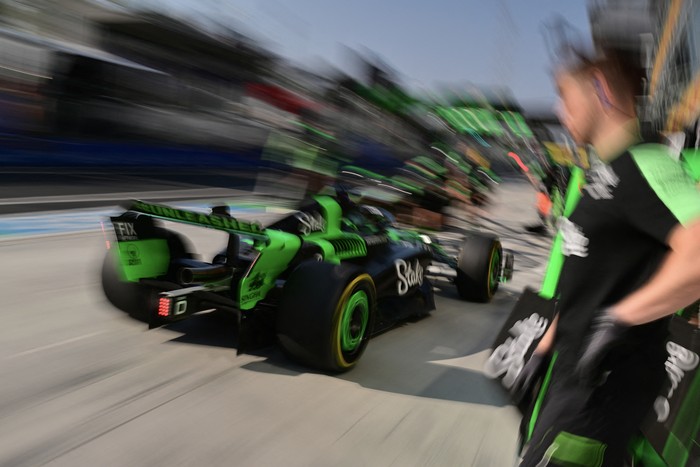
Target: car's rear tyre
[(136, 299), (479, 267), (130, 297), (326, 315)]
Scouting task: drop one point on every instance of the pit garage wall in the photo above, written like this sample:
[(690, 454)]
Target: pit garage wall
[(23, 152)]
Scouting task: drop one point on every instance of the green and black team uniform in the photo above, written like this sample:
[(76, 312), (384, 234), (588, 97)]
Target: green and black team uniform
[(612, 242)]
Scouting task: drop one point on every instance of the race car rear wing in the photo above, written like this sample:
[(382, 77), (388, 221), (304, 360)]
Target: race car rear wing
[(213, 221)]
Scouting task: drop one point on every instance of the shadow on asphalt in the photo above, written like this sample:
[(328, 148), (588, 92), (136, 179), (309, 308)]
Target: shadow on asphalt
[(405, 359)]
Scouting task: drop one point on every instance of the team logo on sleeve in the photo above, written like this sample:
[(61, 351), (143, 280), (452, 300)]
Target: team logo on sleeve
[(573, 241), (601, 181)]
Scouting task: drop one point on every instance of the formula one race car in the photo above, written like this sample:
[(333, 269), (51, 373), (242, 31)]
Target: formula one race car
[(321, 279)]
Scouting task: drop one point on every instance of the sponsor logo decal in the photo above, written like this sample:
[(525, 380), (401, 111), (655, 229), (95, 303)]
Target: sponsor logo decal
[(509, 358), (125, 231), (310, 222), (180, 307), (679, 361), (257, 281), (255, 295), (212, 220), (133, 255), (408, 275)]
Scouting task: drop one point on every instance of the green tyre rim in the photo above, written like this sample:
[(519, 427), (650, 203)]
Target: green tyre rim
[(494, 269), (354, 321)]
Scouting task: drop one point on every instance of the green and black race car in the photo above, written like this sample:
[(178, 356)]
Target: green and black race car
[(321, 280)]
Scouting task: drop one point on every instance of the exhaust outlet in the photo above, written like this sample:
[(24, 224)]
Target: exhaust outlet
[(204, 274)]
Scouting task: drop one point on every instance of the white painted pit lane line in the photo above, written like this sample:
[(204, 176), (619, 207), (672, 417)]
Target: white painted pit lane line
[(54, 345)]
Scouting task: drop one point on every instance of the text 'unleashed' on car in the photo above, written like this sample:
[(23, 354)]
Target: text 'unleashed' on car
[(322, 280)]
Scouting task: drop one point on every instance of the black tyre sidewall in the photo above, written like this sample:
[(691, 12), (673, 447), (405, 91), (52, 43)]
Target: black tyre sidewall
[(308, 318), (130, 297), (136, 299), (474, 267)]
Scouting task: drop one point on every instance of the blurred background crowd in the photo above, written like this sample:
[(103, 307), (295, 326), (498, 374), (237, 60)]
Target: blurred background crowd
[(79, 78)]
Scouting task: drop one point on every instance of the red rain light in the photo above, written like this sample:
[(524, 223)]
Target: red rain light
[(164, 306)]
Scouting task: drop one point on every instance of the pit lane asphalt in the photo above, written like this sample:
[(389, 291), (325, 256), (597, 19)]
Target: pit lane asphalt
[(85, 385)]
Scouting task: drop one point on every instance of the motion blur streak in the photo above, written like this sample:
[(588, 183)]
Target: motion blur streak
[(190, 104)]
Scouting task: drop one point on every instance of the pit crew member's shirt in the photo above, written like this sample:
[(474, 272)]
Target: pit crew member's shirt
[(615, 240)]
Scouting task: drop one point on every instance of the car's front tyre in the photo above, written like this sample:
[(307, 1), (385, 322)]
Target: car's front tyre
[(479, 267)]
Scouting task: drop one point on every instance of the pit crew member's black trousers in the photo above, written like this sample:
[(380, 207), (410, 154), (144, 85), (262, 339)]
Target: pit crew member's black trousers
[(592, 426)]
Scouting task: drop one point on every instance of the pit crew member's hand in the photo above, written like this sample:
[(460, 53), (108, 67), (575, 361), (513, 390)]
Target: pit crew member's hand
[(527, 378), (605, 334)]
